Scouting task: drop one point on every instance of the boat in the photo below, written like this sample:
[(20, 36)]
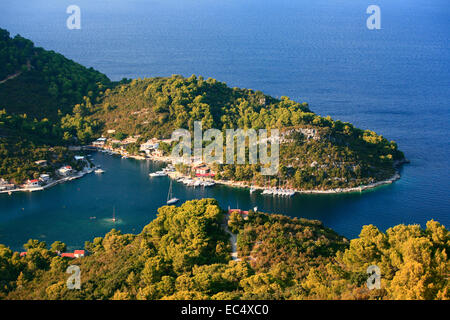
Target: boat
[(252, 189), (158, 174), (114, 214), (170, 198), (267, 192), (99, 171), (208, 183), (197, 183)]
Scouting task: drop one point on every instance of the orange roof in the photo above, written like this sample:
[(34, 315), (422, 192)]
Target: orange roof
[(68, 255), (238, 211), (78, 252)]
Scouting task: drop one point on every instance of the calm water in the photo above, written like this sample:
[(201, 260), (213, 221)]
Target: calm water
[(394, 81)]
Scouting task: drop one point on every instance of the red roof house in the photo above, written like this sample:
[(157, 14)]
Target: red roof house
[(203, 171), (79, 253)]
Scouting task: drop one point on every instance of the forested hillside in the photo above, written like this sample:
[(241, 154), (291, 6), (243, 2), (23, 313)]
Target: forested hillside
[(37, 88), (317, 153), (185, 254), (38, 82), (74, 105)]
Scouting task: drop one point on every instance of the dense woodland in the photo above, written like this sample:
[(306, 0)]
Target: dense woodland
[(318, 152), (37, 89), (185, 254), (43, 83)]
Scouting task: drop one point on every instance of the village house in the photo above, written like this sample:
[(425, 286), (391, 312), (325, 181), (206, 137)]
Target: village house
[(75, 254), (203, 171), (129, 140), (149, 146), (42, 163), (99, 143), (44, 177), (239, 211), (157, 153), (32, 183), (5, 185), (65, 171)]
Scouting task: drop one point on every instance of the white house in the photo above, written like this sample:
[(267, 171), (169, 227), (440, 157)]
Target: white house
[(65, 171), (149, 146), (32, 183), (5, 185), (100, 142), (44, 177)]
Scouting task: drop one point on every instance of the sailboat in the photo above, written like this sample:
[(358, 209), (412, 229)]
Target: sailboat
[(114, 214), (170, 198)]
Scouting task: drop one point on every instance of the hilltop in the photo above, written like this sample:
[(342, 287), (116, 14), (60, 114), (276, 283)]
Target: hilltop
[(42, 83)]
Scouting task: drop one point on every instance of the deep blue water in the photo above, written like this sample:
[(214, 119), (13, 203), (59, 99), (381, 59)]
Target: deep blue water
[(394, 81)]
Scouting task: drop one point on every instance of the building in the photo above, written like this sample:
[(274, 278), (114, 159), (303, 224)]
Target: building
[(129, 140), (44, 177), (75, 254), (157, 153), (5, 185), (23, 254), (111, 131), (65, 171), (42, 163), (32, 183), (149, 146), (79, 253), (245, 213), (99, 143), (203, 171)]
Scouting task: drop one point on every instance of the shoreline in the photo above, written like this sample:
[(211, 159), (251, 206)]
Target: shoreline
[(49, 185), (229, 183), (245, 185), (240, 184)]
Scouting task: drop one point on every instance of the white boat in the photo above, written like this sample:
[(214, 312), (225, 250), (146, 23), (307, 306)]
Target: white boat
[(99, 171), (267, 192), (208, 183), (197, 183), (170, 198), (252, 189), (158, 174)]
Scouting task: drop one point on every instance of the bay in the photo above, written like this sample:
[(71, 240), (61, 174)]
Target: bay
[(394, 81)]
